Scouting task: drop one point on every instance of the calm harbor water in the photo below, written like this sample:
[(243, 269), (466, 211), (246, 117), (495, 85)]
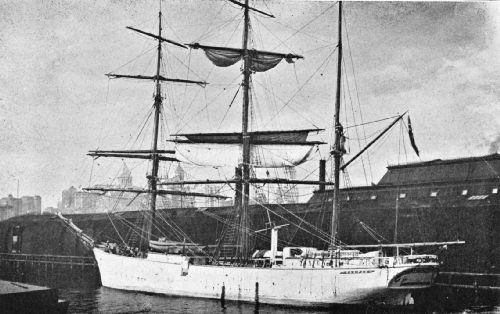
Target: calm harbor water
[(81, 287), (105, 300)]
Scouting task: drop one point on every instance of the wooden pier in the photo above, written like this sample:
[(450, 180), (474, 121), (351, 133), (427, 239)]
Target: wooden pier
[(49, 259), (41, 269), (16, 297), (465, 289), (464, 280)]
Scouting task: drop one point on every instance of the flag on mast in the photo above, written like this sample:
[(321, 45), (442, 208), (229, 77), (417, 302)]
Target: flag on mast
[(412, 139)]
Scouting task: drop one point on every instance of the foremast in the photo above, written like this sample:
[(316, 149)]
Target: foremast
[(154, 150), (155, 155)]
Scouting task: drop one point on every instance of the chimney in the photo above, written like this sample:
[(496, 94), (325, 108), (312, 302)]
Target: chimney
[(322, 174)]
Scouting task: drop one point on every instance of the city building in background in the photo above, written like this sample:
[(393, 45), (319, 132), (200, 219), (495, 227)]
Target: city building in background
[(77, 201), (11, 206)]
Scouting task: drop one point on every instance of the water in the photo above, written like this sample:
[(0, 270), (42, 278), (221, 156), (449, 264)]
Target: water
[(106, 300), (82, 289)]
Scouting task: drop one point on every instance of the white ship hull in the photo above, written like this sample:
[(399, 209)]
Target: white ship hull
[(291, 286)]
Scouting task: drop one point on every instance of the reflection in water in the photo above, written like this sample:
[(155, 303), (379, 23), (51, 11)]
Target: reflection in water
[(106, 300), (85, 295)]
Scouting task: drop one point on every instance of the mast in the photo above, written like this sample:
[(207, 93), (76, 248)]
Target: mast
[(245, 139), (154, 150), (396, 218), (337, 151), (154, 154), (253, 61)]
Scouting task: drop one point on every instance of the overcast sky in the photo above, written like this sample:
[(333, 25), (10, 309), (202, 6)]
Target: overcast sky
[(440, 61)]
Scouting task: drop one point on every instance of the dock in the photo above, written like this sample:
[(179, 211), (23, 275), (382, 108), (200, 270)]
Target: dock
[(467, 280), (39, 269), (18, 297)]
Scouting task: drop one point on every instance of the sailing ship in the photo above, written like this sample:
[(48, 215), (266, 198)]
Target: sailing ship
[(291, 275)]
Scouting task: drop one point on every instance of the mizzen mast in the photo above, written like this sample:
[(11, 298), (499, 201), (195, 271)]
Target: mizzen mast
[(337, 151)]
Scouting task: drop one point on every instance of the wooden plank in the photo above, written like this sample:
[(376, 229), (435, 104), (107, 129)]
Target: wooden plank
[(467, 286)]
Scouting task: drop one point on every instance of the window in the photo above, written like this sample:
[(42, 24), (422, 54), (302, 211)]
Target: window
[(477, 197), (434, 193), (402, 195), (464, 192), (15, 243), (16, 239), (494, 191), (373, 197)]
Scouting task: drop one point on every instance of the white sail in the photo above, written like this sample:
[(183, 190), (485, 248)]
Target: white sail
[(229, 155)]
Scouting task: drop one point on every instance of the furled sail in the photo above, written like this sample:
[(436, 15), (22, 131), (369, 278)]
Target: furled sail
[(222, 57), (229, 155), (291, 137), (260, 61), (269, 149)]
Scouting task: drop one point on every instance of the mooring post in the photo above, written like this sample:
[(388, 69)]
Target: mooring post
[(476, 292), (256, 297), (223, 296)]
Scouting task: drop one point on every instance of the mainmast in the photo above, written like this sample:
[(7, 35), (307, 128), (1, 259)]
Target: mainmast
[(337, 150), (245, 166), (253, 61)]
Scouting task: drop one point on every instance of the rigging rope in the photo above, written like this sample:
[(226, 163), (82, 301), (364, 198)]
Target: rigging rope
[(360, 146), (198, 92), (308, 23), (371, 122), (212, 26), (212, 101), (229, 107), (134, 59), (323, 64), (357, 92), (320, 234), (144, 124), (279, 39)]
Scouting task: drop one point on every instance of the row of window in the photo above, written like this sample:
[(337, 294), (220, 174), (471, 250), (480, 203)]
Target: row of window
[(435, 193)]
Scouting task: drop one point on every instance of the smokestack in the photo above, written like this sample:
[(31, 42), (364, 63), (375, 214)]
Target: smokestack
[(495, 145), (322, 174)]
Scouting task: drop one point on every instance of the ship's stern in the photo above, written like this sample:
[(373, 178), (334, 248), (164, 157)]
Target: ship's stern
[(418, 272)]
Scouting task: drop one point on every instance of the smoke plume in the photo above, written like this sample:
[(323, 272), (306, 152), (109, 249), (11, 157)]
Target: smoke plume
[(495, 145)]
